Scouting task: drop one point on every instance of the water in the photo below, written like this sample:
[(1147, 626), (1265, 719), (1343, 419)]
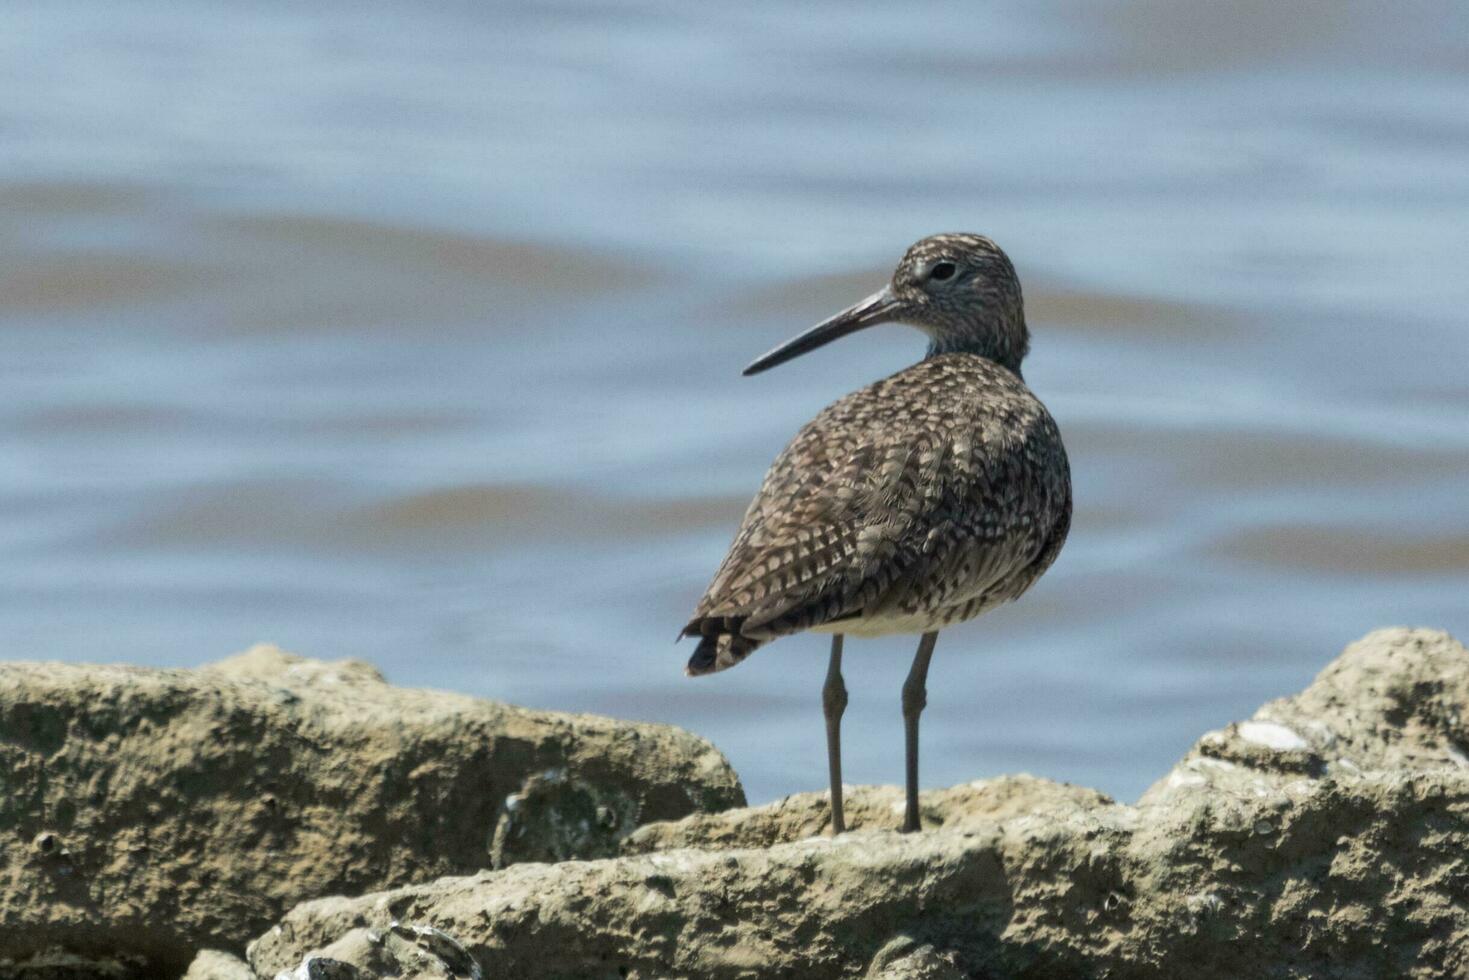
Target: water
[(413, 334)]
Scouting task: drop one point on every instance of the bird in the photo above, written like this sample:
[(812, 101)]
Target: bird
[(919, 501)]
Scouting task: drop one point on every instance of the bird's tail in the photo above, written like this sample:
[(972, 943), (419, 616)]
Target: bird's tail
[(719, 651)]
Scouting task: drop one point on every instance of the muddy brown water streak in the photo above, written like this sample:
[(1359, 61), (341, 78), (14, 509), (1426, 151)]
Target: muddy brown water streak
[(416, 337)]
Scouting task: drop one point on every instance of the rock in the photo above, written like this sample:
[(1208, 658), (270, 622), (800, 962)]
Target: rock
[(905, 959), (212, 964), (867, 807), (1396, 701), (1329, 836), (148, 814), (420, 952), (58, 964)]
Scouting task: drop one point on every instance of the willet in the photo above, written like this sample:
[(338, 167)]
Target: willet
[(919, 501)]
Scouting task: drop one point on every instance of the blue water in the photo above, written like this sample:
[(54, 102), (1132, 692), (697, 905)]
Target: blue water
[(413, 334)]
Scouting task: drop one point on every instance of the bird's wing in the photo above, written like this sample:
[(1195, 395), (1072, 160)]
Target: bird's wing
[(818, 532), (851, 517)]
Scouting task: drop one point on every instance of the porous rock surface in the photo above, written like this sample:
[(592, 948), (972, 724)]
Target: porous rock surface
[(213, 964), (148, 814), (867, 808), (1326, 837)]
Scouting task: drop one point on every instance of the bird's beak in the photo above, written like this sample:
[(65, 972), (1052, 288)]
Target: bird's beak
[(880, 307)]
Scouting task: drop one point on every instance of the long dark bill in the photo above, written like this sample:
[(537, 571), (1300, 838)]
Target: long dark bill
[(877, 308)]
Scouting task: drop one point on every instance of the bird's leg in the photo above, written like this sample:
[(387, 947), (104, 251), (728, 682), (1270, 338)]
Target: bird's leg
[(833, 703), (915, 698)]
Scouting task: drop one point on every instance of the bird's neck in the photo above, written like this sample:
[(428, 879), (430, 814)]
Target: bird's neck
[(1006, 344)]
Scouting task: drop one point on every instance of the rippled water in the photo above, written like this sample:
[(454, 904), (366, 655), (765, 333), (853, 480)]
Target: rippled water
[(414, 335)]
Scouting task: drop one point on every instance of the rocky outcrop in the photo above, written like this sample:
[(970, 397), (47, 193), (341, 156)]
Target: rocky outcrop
[(417, 952), (212, 964), (1327, 836), (146, 815), (803, 815), (1396, 703)]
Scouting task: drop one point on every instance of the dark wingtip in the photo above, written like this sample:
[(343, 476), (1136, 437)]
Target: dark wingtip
[(705, 658), (719, 651)]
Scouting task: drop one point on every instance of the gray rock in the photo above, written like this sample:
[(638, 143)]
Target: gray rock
[(148, 814), (867, 808), (212, 964), (59, 964), (906, 959), (1333, 844), (1394, 702), (420, 952)]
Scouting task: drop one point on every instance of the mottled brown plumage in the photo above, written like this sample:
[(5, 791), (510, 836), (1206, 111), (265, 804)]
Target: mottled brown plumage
[(919, 501)]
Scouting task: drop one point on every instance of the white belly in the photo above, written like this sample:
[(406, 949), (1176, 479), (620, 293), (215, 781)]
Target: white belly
[(885, 625), (890, 622)]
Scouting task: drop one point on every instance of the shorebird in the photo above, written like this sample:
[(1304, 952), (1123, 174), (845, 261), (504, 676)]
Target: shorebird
[(919, 501)]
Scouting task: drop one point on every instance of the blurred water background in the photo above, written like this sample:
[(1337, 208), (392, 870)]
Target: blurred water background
[(413, 332)]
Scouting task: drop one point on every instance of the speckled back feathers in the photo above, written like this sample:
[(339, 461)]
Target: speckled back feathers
[(916, 502)]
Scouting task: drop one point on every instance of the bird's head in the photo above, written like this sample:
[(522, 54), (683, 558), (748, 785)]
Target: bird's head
[(960, 289)]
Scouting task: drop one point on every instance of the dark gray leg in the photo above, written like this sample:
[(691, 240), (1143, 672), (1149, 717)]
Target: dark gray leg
[(833, 703), (915, 699)]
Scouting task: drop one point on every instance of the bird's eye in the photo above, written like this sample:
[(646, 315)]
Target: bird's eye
[(942, 271)]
